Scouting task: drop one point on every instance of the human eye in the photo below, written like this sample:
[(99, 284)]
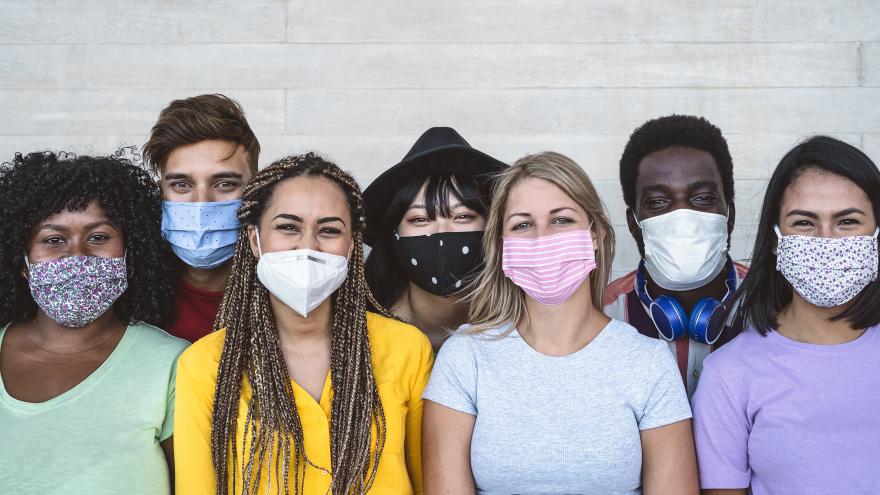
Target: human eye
[(518, 227), (53, 239), (562, 220), (287, 227)]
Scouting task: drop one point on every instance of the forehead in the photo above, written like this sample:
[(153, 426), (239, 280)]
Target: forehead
[(533, 195), (305, 196), (676, 168), (94, 212), (206, 158), (820, 190)]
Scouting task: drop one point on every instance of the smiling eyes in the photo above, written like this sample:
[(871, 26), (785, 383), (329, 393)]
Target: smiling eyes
[(292, 228), (521, 226), (844, 222), (463, 218)]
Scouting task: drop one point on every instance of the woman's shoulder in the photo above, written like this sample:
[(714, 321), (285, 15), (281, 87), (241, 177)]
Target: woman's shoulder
[(388, 332), (623, 338), (749, 345), (156, 340), (206, 350)]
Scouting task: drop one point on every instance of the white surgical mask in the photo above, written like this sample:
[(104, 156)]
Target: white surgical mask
[(684, 249), (302, 279), (827, 271)]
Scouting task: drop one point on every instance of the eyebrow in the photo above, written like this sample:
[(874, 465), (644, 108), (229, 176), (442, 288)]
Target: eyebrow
[(53, 226), (288, 216), (299, 219), (552, 212), (691, 185), (331, 219), (221, 175), (227, 175), (848, 211)]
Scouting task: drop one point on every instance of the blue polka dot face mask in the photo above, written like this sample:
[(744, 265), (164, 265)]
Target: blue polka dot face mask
[(203, 235), (441, 263)]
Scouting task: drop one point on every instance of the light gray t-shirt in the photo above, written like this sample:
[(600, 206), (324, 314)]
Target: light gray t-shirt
[(559, 425)]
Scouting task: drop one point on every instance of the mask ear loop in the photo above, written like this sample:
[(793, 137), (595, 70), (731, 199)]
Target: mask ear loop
[(259, 248), (779, 234)]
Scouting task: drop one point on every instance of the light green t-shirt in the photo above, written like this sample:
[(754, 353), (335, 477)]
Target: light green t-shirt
[(102, 436)]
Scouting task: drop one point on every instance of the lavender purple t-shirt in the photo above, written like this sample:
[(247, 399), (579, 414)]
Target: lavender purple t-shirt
[(787, 417)]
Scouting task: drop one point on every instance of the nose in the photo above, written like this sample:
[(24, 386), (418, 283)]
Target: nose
[(204, 194), (308, 242)]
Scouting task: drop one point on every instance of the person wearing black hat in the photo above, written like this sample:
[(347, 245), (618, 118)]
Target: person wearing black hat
[(425, 222)]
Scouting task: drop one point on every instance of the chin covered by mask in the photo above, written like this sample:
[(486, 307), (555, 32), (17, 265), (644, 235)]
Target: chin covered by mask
[(684, 249), (76, 290), (203, 235), (826, 271), (301, 278), (441, 263)]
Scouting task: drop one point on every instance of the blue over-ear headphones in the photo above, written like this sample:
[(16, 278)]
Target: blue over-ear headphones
[(672, 321)]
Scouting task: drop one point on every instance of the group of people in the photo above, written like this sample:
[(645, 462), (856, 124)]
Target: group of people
[(224, 330)]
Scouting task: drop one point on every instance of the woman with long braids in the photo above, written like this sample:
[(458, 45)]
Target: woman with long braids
[(301, 390)]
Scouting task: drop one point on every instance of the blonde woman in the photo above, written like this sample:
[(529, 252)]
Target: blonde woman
[(543, 393), (303, 391)]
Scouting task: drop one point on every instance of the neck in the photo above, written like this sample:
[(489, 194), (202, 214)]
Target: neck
[(715, 289), (213, 279), (303, 335), (805, 322), (437, 317), (51, 336), (563, 329)]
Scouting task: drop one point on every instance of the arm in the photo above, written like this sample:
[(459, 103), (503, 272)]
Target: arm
[(446, 447), (721, 434), (168, 449), (413, 437), (669, 464), (194, 473)]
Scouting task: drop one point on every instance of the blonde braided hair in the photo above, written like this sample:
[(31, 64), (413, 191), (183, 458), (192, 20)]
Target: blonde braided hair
[(251, 349)]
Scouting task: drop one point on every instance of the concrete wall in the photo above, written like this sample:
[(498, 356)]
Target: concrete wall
[(360, 80)]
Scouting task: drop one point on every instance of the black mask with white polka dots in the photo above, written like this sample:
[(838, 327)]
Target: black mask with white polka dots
[(441, 263)]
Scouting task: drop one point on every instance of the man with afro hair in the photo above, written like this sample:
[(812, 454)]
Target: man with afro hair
[(677, 178)]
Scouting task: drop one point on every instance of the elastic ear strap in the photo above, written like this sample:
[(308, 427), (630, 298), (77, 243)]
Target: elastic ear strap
[(259, 249)]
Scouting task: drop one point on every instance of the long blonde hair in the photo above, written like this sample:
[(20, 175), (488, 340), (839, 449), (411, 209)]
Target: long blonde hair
[(496, 300)]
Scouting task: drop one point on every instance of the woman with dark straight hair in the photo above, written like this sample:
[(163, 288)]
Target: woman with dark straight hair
[(789, 406), (425, 223)]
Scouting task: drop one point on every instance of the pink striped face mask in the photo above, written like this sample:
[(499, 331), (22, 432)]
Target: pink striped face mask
[(549, 268)]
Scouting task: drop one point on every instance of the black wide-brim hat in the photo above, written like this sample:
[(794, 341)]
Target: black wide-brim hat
[(439, 151)]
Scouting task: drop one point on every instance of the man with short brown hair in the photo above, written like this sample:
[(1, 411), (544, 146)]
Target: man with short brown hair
[(205, 153)]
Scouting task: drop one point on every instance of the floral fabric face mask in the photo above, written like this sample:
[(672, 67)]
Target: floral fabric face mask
[(76, 290), (827, 271)]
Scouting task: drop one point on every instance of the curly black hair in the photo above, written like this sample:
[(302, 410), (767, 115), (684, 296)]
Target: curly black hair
[(38, 185), (674, 130)]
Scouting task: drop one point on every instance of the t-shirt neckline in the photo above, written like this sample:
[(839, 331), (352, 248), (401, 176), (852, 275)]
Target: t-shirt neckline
[(79, 389), (861, 340), (206, 294), (583, 350)]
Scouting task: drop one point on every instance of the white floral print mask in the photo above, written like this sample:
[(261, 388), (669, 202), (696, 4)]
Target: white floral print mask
[(827, 271)]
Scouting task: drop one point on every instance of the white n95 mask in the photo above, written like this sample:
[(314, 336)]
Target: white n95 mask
[(302, 279), (684, 249)]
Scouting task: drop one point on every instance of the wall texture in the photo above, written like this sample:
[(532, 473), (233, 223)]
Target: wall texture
[(360, 80)]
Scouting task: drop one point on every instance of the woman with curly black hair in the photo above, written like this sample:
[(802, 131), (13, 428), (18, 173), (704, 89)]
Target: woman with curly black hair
[(86, 384)]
